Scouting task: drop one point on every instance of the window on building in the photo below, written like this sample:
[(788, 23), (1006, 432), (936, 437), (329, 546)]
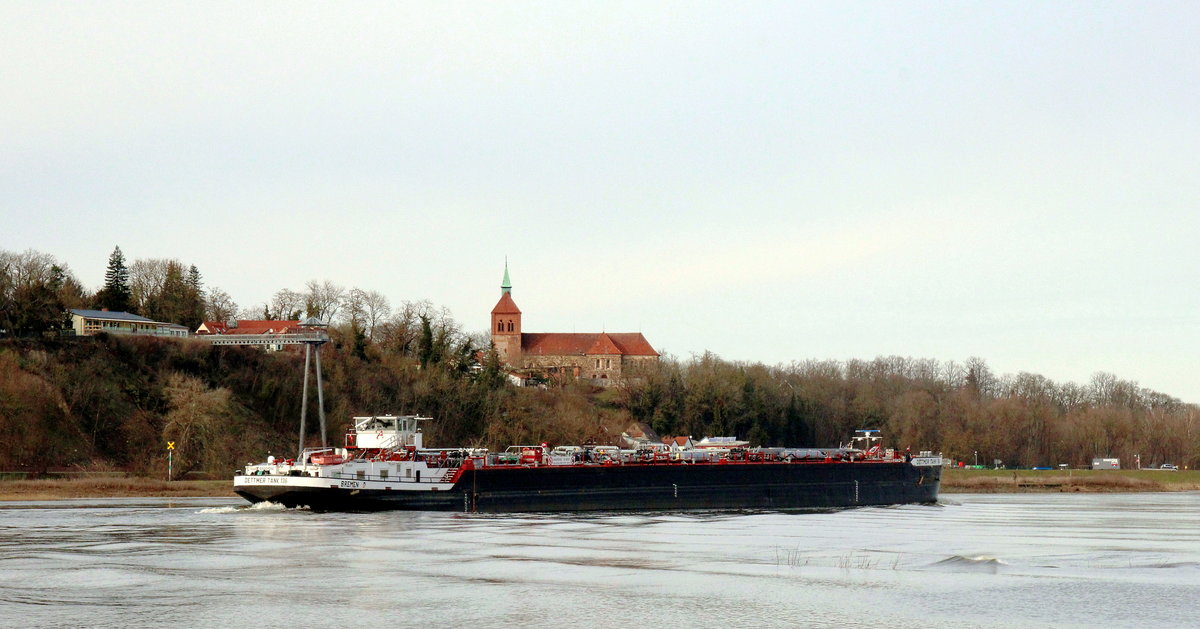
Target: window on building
[(499, 326), (597, 363), (510, 327), (607, 363)]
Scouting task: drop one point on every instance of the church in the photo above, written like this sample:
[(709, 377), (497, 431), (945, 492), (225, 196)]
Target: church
[(604, 358)]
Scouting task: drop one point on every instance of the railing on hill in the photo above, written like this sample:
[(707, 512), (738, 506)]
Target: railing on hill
[(265, 339)]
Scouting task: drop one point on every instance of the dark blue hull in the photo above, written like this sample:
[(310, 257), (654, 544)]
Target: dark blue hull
[(672, 487)]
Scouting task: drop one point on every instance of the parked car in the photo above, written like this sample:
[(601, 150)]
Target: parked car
[(1169, 466)]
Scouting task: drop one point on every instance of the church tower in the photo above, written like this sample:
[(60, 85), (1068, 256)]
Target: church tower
[(506, 324)]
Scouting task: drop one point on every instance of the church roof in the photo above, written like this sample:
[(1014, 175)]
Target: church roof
[(632, 343), (506, 305), (603, 345), (583, 344)]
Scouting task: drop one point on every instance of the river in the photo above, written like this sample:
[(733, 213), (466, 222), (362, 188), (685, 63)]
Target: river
[(1007, 560)]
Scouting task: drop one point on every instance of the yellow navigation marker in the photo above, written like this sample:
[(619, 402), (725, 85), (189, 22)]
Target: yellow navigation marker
[(170, 445)]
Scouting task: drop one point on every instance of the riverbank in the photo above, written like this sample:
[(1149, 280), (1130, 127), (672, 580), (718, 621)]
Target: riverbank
[(1111, 481), (954, 481), (61, 489)]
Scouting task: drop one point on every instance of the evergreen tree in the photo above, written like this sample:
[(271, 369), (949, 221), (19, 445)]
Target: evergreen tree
[(193, 313), (425, 348), (115, 295), (193, 278), (174, 302), (360, 340)]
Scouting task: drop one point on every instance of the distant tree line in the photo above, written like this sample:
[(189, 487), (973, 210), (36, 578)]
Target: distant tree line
[(36, 290), (112, 401), (961, 409)]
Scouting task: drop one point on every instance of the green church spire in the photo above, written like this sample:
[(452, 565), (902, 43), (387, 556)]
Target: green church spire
[(506, 286)]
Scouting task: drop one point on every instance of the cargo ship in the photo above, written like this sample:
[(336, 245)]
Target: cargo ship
[(384, 464)]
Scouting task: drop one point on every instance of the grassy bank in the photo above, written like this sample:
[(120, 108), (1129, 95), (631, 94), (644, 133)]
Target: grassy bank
[(58, 489), (953, 481), (1013, 481)]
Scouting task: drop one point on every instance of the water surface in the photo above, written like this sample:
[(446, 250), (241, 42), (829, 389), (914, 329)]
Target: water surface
[(1112, 560)]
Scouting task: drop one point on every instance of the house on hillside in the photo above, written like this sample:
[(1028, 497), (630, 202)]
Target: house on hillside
[(259, 327), (603, 358), (92, 322), (249, 326), (678, 444), (173, 329)]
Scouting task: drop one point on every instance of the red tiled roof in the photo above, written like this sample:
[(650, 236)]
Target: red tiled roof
[(254, 326), (603, 345), (212, 327), (632, 344), (506, 305), (571, 344)]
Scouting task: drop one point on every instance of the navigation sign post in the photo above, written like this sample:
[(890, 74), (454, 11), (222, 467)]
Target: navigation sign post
[(170, 452)]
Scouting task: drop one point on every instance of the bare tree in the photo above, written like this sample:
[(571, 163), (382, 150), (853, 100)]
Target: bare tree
[(400, 331), (354, 306), (323, 299), (367, 309), (286, 304), (35, 292), (194, 420), (146, 279), (26, 268), (219, 306), (252, 313), (376, 310)]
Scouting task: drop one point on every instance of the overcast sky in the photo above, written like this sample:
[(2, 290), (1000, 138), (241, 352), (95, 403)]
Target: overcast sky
[(772, 182)]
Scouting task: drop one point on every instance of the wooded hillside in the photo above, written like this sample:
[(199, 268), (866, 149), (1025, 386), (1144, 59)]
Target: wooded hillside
[(113, 402)]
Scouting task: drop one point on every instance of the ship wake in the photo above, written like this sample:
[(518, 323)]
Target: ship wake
[(264, 506)]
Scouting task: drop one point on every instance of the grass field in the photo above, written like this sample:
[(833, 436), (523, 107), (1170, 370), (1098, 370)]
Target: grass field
[(1011, 481)]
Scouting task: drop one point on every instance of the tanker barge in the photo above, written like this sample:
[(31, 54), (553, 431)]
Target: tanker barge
[(385, 465)]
